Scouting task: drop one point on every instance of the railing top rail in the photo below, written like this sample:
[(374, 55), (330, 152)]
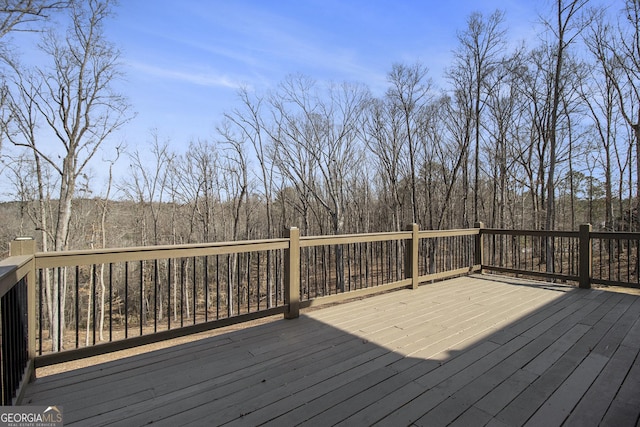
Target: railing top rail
[(141, 253), (307, 241), (542, 233), (620, 235), (447, 233), (12, 270)]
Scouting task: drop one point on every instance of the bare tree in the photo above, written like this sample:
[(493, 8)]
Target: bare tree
[(564, 31), (17, 15), (600, 98), (104, 208), (460, 123), (383, 133), (249, 123), (74, 99), (322, 127), (618, 52), (235, 166), (197, 185), (147, 186), (410, 92), (22, 16), (236, 182), (326, 129), (453, 155), (502, 110), (480, 52), (532, 148), (434, 137), (285, 152)]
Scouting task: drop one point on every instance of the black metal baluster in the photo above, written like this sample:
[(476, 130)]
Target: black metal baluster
[(155, 295), (276, 277), (349, 266), (77, 308), (238, 282), (193, 295), (169, 294), (40, 318), (360, 276), (217, 287), (229, 286), (206, 288), (269, 285), (142, 300), (182, 285), (258, 281), (126, 299), (110, 302), (93, 288), (248, 282)]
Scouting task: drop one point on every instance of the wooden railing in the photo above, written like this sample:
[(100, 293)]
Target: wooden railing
[(96, 301), (615, 259), (583, 257), (17, 315), (524, 252)]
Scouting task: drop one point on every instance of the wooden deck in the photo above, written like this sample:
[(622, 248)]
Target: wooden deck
[(470, 351)]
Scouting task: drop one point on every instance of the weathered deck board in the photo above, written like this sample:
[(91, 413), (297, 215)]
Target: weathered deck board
[(476, 350)]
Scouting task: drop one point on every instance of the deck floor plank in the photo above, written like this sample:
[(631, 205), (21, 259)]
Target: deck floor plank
[(528, 402), (624, 407), (218, 381), (228, 360), (542, 347), (475, 350)]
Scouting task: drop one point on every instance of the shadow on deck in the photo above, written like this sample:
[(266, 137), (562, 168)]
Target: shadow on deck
[(475, 350)]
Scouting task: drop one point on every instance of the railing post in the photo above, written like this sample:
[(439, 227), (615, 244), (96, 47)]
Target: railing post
[(22, 246), (479, 249), (292, 274), (411, 256), (585, 256), (27, 246)]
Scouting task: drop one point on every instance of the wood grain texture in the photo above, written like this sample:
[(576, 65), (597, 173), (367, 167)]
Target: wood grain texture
[(480, 350)]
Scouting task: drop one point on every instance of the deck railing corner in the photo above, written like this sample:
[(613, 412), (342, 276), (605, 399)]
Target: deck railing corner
[(17, 310), (478, 249)]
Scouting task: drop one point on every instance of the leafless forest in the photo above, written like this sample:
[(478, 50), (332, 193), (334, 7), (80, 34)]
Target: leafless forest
[(541, 134)]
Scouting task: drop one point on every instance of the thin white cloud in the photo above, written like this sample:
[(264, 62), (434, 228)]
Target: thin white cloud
[(264, 41), (255, 45), (200, 78)]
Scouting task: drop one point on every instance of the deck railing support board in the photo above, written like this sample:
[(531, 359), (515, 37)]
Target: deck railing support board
[(479, 249), (585, 256), (411, 256), (292, 274)]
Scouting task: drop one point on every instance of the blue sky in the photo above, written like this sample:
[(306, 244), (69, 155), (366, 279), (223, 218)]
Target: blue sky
[(184, 60)]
